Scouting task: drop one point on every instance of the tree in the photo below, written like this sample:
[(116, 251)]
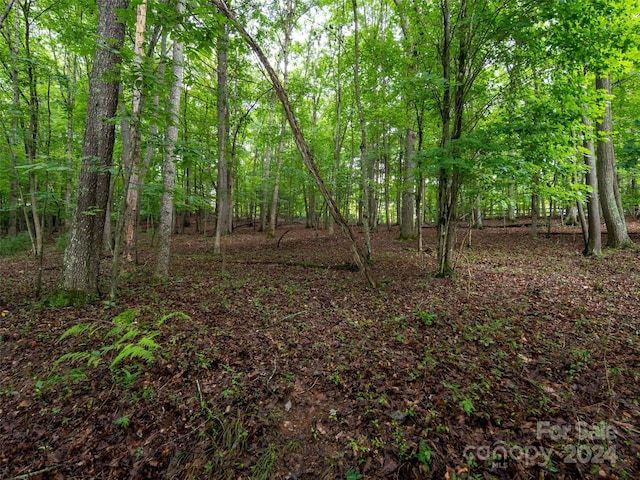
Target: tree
[(82, 256), (612, 210), (165, 227), (223, 198)]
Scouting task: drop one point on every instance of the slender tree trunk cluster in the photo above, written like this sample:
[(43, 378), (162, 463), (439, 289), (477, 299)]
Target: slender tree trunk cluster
[(453, 53)]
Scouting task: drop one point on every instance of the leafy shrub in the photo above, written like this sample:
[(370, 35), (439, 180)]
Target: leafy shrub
[(12, 245)]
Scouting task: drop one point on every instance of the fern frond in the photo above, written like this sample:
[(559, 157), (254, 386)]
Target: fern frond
[(116, 331), (133, 351), (179, 315), (80, 329), (148, 342), (127, 317), (74, 357), (130, 334)]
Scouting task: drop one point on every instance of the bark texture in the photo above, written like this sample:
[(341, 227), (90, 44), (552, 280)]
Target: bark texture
[(82, 256), (617, 235), (165, 226)]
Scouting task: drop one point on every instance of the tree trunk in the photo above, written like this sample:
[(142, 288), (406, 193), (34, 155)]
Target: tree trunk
[(82, 255), (449, 177), (71, 66), (535, 211), (165, 227), (617, 235), (133, 165), (267, 167), (222, 187), (275, 194), (407, 227), (593, 245), (338, 137), (364, 161)]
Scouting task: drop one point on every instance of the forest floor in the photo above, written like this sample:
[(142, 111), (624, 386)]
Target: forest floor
[(277, 360)]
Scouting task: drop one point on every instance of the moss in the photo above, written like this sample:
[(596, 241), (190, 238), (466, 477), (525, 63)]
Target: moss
[(67, 298)]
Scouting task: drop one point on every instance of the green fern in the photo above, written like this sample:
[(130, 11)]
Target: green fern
[(130, 351), (148, 342), (128, 334), (87, 329), (179, 315), (127, 339), (92, 358), (127, 317)]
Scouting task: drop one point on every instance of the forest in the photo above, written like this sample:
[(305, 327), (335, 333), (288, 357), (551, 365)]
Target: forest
[(316, 239)]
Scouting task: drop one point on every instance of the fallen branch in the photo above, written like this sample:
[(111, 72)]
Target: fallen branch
[(26, 476), (282, 236)]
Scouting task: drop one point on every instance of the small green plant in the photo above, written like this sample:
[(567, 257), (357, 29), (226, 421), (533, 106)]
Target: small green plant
[(467, 406), (353, 475), (424, 454), (122, 422), (266, 464), (426, 318)]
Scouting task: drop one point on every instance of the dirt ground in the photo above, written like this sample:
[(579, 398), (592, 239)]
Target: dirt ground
[(277, 360)]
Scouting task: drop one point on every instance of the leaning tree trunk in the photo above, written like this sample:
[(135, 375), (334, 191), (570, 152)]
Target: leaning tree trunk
[(303, 147), (617, 235), (82, 255), (165, 226)]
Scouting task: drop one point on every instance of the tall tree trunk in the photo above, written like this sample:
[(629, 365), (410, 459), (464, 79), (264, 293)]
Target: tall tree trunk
[(593, 245), (535, 210), (12, 138), (133, 183), (364, 161), (267, 171), (338, 137), (303, 147), (165, 227), (69, 97), (449, 178), (617, 235), (82, 255), (407, 227), (275, 193), (222, 187), (30, 131)]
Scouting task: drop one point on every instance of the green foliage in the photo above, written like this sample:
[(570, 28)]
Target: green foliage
[(122, 422), (353, 475), (426, 318), (424, 454), (126, 340), (467, 406), (13, 245), (266, 464)]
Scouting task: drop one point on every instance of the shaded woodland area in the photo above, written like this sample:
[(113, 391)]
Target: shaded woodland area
[(277, 360), (288, 239)]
